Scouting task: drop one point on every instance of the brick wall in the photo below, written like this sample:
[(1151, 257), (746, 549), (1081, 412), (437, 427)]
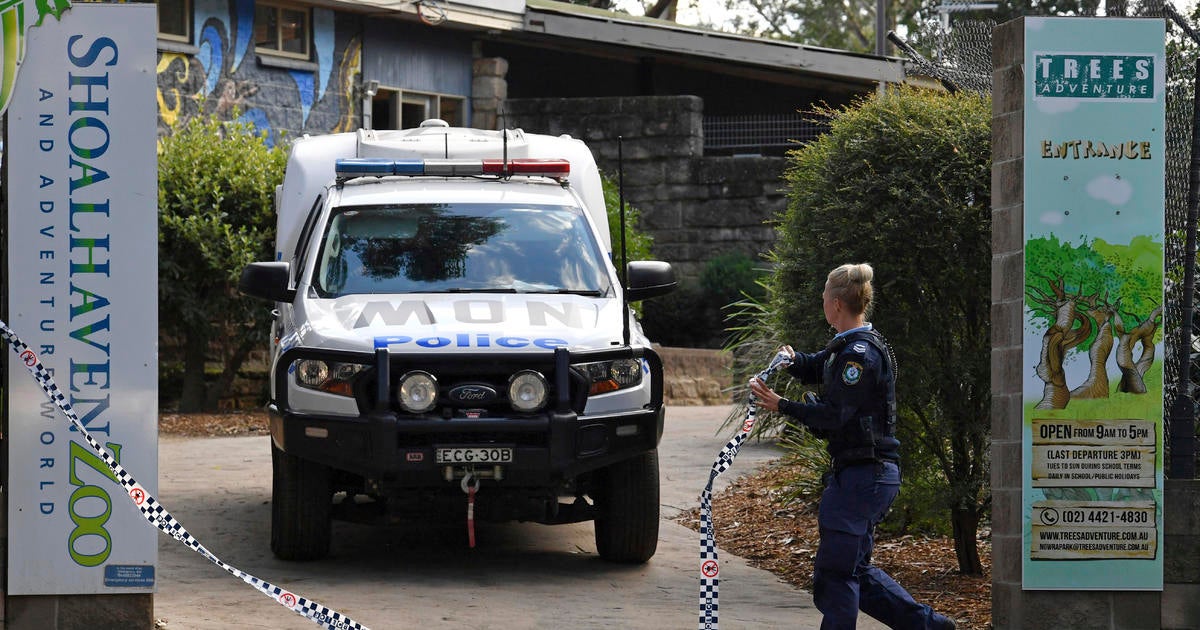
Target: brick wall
[(694, 206)]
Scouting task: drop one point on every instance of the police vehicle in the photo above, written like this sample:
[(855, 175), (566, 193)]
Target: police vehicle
[(451, 330)]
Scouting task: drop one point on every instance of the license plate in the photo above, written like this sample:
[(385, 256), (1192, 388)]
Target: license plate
[(473, 455)]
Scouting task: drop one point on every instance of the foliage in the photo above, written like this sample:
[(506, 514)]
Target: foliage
[(637, 242), (698, 314), (902, 180), (215, 188), (840, 24), (729, 275), (1016, 8), (850, 24)]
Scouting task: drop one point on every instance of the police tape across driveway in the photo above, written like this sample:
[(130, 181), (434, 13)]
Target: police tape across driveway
[(157, 515), (710, 569)]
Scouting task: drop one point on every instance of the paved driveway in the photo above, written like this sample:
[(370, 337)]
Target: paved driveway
[(416, 575)]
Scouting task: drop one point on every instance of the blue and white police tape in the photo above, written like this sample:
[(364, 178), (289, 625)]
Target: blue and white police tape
[(710, 569), (156, 514)]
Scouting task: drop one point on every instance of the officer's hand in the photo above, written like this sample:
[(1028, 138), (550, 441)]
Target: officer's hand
[(788, 349), (767, 398)]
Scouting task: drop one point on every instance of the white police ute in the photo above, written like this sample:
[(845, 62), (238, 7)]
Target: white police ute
[(450, 327)]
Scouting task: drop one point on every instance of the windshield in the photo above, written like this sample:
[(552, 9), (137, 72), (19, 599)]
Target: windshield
[(438, 248)]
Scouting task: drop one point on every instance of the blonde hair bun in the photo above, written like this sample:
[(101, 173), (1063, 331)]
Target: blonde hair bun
[(851, 283)]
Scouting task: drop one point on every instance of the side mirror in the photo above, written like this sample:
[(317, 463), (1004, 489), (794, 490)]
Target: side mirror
[(267, 281), (648, 278)]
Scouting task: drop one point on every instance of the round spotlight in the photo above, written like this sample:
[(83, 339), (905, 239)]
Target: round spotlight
[(418, 392), (311, 373), (527, 391)]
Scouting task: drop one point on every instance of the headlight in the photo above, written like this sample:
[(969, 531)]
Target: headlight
[(418, 392), (527, 391), (333, 377), (610, 376)]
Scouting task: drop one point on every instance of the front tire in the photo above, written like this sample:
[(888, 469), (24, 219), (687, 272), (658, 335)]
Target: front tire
[(627, 510), (301, 506)]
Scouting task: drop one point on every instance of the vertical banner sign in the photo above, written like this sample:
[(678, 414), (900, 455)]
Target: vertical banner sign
[(1093, 325), (83, 264)]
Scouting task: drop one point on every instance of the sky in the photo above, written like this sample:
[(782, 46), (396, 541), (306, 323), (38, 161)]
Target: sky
[(689, 12), (714, 12)]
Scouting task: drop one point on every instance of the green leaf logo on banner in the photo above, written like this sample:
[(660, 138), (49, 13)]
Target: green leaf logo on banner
[(50, 7), (13, 26)]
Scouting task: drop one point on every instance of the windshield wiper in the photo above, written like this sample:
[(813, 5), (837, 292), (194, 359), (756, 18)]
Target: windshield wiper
[(585, 292), (489, 290)]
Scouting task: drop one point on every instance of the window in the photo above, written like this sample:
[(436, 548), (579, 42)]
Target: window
[(415, 108), (451, 111), (281, 30), (175, 20), (393, 109)]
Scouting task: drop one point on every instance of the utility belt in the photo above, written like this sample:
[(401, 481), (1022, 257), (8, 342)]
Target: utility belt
[(867, 453), (859, 456)]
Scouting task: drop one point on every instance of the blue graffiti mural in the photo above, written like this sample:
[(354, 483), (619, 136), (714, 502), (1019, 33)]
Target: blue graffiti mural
[(211, 56), (210, 17), (262, 126), (304, 85), (244, 10), (323, 42), (227, 77)]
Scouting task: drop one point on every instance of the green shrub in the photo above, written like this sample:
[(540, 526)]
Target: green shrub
[(216, 182), (637, 242), (700, 313), (729, 275), (902, 181)]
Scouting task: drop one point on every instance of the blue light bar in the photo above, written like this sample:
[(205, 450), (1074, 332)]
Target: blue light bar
[(364, 167), (409, 167)]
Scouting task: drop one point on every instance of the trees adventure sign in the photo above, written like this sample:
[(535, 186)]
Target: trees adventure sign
[(1093, 405), (1093, 76)]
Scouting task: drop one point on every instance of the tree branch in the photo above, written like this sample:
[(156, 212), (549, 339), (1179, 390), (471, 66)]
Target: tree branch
[(660, 7)]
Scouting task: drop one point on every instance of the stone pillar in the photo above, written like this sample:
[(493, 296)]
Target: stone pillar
[(1181, 555), (489, 88), (1008, 98)]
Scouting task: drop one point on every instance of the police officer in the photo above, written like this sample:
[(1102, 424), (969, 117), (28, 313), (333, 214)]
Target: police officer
[(857, 415)]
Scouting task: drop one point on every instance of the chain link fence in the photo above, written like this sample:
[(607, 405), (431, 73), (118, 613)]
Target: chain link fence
[(759, 134), (961, 59)]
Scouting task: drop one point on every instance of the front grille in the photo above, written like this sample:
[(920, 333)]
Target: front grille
[(452, 373)]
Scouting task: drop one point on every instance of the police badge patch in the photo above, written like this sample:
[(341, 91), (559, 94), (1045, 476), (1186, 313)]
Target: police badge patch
[(852, 373)]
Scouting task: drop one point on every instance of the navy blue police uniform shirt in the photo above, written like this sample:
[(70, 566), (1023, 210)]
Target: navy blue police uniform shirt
[(852, 386)]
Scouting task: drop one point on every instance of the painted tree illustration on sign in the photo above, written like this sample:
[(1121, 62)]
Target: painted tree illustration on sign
[(1094, 297)]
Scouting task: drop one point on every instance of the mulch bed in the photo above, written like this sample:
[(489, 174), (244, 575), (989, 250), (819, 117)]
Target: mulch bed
[(213, 424)]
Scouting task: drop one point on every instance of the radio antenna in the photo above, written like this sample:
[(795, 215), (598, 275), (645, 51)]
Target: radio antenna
[(624, 254)]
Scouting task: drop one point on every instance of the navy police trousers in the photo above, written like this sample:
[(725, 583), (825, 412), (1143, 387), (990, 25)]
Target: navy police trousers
[(856, 498)]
